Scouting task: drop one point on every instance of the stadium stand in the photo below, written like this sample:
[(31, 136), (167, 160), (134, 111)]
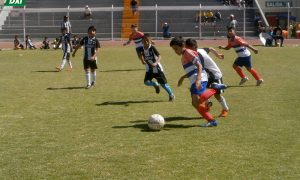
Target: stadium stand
[(41, 24)]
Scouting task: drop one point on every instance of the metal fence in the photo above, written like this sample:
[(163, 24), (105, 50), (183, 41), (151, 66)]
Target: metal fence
[(183, 21)]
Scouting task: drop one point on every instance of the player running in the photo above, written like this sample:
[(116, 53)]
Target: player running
[(198, 80), (151, 58), (136, 36), (213, 71), (244, 57)]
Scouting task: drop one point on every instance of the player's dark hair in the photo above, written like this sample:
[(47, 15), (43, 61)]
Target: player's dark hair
[(146, 36), (191, 43), (91, 28), (134, 25), (179, 41)]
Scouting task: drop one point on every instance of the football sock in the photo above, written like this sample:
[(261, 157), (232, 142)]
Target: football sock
[(204, 112), (223, 103), (88, 77), (94, 75), (150, 83), (63, 63), (254, 74), (70, 64), (207, 94), (240, 72), (167, 88)]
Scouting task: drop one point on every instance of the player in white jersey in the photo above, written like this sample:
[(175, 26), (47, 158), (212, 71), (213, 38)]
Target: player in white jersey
[(213, 71), (67, 49)]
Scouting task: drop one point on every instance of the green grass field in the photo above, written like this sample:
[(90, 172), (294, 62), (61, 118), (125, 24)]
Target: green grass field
[(52, 128)]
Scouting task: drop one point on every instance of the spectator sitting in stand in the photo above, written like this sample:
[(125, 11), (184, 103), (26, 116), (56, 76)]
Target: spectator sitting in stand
[(29, 43), (75, 41), (17, 44), (45, 44), (277, 34), (218, 15)]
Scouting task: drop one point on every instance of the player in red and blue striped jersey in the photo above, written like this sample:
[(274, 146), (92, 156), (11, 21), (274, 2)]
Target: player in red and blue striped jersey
[(137, 37), (198, 80), (91, 47), (244, 57)]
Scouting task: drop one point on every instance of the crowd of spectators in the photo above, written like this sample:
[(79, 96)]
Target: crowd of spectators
[(239, 3)]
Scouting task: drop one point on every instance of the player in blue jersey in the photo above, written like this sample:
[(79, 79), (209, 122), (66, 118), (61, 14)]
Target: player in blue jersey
[(67, 49), (91, 47), (151, 58)]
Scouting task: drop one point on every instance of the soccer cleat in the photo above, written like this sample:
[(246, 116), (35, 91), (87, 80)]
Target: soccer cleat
[(88, 86), (218, 86), (243, 80), (224, 113), (212, 123), (259, 82), (171, 97), (93, 84), (157, 89), (58, 68)]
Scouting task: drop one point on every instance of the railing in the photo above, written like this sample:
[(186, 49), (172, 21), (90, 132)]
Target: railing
[(108, 20)]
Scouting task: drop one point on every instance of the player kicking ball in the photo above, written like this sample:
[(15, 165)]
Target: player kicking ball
[(198, 80), (91, 47), (151, 58)]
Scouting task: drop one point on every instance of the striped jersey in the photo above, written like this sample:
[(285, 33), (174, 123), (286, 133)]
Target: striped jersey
[(65, 43), (239, 46), (150, 56), (188, 60), (209, 64), (137, 38), (67, 25), (90, 46)]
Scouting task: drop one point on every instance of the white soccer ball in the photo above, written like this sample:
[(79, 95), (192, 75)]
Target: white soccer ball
[(156, 122)]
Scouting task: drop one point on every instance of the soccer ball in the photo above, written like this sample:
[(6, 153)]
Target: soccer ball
[(156, 122)]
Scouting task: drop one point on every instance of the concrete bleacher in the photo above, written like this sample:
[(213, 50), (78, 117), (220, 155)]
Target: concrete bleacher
[(183, 23), (41, 24)]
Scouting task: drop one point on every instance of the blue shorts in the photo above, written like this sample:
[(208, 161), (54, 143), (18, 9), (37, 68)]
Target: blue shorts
[(196, 91), (139, 50), (243, 61)]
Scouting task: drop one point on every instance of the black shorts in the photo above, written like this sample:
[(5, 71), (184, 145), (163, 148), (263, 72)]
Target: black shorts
[(212, 80), (87, 64), (160, 77)]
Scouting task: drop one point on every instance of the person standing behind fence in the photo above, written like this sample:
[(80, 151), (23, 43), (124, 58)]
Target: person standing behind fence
[(134, 6), (66, 24), (232, 23)]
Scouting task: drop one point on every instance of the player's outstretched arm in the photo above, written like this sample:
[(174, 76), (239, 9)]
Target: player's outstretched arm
[(181, 79), (252, 48), (216, 53), (127, 42)]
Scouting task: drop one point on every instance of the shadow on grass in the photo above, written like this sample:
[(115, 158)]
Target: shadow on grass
[(123, 70), (126, 103), (144, 127), (237, 86), (169, 119), (142, 124), (63, 88), (49, 71)]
